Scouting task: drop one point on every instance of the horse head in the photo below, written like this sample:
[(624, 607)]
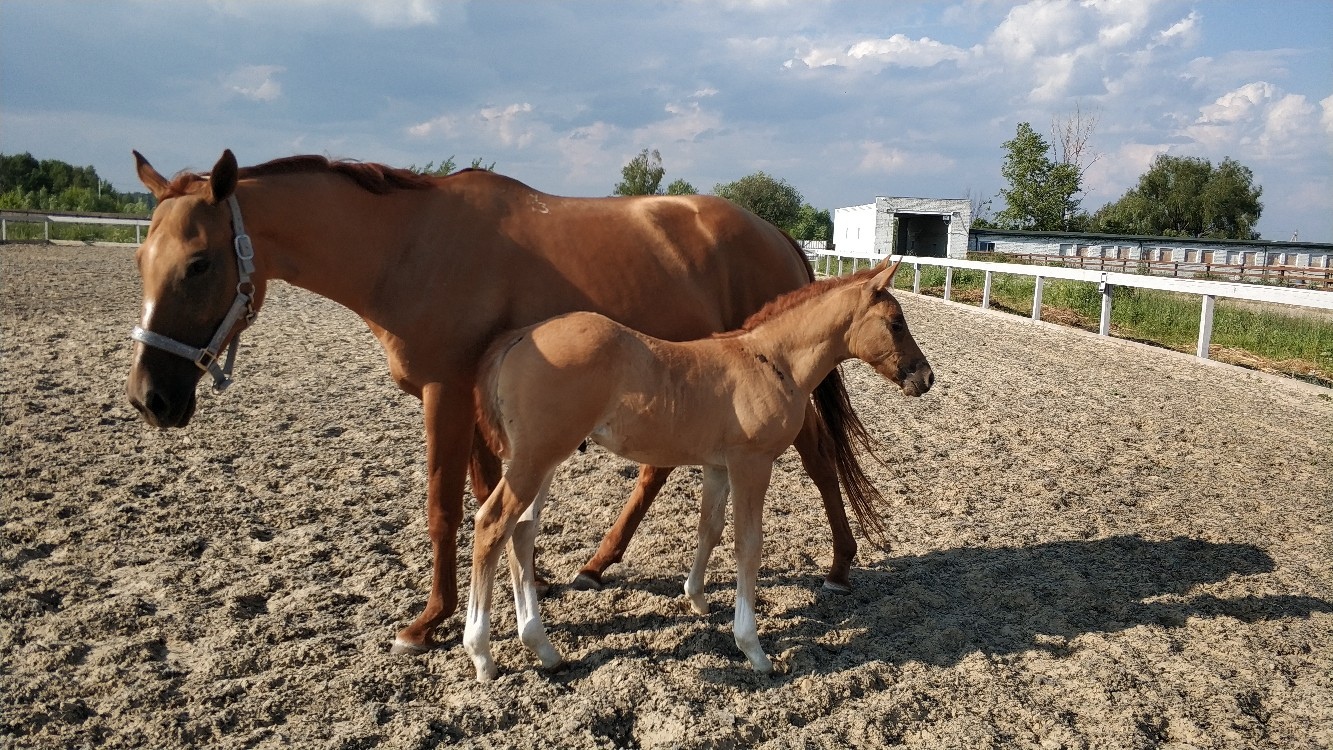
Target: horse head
[(880, 336), (197, 294)]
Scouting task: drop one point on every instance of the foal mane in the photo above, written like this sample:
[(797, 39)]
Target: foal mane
[(375, 178), (797, 297)]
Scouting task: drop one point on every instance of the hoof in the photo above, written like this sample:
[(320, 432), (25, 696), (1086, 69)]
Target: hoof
[(543, 586), (403, 648), (836, 587), (585, 582)]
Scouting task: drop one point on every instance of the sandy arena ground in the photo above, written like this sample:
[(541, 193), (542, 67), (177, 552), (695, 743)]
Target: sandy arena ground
[(1096, 545)]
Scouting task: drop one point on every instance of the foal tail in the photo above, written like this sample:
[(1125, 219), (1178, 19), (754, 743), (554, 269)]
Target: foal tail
[(486, 393), (845, 433)]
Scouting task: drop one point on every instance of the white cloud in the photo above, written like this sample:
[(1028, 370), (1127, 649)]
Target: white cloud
[(505, 124), (877, 157), (444, 125), (1259, 120), (905, 52), (391, 14), (1326, 119), (254, 82)]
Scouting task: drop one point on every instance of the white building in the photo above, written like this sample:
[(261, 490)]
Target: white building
[(927, 227)]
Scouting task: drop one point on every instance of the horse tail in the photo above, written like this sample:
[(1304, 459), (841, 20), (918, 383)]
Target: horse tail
[(486, 392), (844, 432)]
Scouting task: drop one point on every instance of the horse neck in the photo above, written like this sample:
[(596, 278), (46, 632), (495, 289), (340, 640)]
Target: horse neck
[(322, 233), (809, 339)]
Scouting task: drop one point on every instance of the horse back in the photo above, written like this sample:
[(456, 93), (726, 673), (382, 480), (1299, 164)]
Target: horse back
[(674, 267)]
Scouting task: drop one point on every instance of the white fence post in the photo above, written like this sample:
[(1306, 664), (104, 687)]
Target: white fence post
[(1104, 328), (985, 293), (1205, 327), (1208, 290)]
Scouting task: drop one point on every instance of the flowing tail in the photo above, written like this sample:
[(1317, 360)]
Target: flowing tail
[(844, 431)]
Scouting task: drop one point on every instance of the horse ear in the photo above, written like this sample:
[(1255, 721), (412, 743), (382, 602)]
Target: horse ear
[(151, 178), (222, 180), (884, 279)]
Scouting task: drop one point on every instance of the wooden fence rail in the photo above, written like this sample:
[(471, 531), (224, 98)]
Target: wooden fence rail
[(1209, 291)]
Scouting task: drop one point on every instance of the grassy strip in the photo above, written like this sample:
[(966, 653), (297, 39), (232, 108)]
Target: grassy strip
[(25, 231), (1272, 338)]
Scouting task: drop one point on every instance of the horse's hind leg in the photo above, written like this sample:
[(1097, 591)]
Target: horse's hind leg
[(712, 518), (530, 629), (616, 541), (495, 524), (817, 458)]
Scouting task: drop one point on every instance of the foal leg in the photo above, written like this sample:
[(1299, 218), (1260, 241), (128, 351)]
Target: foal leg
[(495, 524), (748, 486), (812, 443), (712, 517), (616, 541), (530, 629), (485, 470)]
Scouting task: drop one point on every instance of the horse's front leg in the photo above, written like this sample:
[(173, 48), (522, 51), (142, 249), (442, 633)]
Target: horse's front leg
[(816, 451), (712, 518), (749, 483), (449, 427), (616, 541), (523, 574)]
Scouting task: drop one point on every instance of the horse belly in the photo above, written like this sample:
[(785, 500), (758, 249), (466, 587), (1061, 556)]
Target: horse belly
[(654, 445)]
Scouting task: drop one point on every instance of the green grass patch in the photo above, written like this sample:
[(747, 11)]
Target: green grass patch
[(31, 231), (1274, 338)]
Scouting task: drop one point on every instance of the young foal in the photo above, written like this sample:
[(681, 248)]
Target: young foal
[(731, 403)]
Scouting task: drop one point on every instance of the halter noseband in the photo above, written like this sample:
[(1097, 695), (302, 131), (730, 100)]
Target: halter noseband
[(206, 359)]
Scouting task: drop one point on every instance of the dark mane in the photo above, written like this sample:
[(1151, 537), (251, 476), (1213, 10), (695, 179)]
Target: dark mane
[(376, 178), (798, 296)]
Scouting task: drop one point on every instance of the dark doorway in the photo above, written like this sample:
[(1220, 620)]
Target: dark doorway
[(922, 235)]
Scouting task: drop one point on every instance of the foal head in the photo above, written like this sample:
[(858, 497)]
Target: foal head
[(879, 336), (190, 280)]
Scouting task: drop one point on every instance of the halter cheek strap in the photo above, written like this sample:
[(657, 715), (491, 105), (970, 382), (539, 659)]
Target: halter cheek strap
[(242, 307)]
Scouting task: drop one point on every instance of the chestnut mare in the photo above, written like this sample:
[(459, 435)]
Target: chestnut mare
[(731, 403), (438, 266)]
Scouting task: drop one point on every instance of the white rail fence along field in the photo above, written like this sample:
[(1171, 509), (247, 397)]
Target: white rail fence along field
[(1209, 291), (46, 219)]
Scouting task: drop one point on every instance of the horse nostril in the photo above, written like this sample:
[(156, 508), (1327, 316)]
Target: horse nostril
[(157, 404)]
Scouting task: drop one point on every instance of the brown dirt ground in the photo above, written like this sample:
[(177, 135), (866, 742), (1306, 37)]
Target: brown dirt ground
[(1096, 545)]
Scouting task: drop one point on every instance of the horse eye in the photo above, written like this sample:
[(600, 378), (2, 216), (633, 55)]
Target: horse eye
[(197, 266)]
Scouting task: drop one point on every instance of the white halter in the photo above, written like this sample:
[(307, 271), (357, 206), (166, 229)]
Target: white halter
[(206, 359)]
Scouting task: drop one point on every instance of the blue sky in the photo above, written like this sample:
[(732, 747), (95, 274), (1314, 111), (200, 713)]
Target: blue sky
[(844, 100)]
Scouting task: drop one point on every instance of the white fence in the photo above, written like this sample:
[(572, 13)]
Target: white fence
[(1209, 291), (47, 219)]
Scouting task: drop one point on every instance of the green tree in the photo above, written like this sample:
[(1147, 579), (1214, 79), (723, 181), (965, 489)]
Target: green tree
[(681, 187), (449, 166), (642, 175), (767, 196), (54, 185), (1041, 192), (1182, 196), (811, 224)]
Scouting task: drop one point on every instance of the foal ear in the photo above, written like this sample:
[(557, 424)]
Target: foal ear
[(882, 280), (151, 178), (222, 180)]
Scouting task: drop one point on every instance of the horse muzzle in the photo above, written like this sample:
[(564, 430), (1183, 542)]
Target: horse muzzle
[(917, 382), (165, 399)]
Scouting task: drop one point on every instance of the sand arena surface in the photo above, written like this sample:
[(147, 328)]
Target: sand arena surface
[(1095, 545)]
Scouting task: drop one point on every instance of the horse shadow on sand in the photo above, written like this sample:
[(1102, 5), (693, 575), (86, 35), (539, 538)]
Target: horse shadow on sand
[(939, 607)]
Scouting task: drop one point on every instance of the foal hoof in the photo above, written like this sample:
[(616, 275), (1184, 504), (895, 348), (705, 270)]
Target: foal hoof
[(403, 648), (586, 582), (837, 587)]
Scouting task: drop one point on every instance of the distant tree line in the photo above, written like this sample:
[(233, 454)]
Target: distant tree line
[(1179, 196), (768, 197), (52, 185)]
